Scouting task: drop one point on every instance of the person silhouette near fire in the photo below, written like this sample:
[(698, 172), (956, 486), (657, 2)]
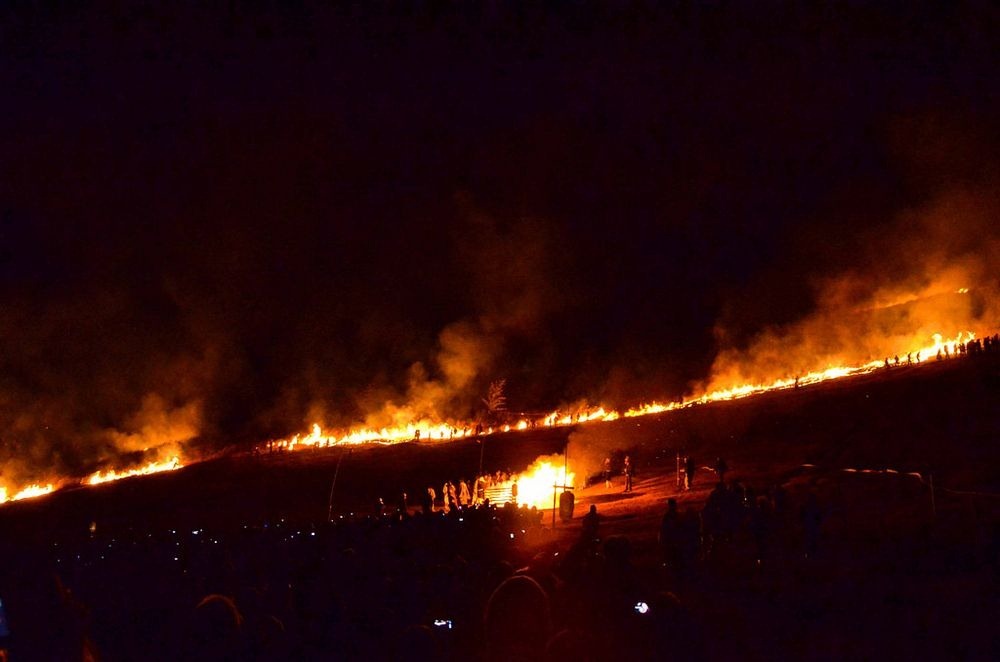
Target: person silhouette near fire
[(720, 469), (689, 469), (590, 526)]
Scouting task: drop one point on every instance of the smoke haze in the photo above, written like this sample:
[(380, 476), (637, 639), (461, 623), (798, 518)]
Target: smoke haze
[(218, 227)]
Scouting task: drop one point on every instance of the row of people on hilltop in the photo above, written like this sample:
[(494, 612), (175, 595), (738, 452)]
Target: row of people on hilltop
[(975, 347), (987, 345)]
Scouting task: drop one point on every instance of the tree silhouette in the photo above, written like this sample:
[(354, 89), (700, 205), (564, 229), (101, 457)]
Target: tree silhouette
[(496, 401)]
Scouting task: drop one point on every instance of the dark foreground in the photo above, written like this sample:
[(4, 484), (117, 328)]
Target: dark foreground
[(799, 559)]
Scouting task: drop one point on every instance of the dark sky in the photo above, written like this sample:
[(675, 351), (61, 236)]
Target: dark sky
[(225, 223)]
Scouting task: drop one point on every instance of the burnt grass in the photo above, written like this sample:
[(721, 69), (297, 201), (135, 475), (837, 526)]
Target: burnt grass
[(899, 569)]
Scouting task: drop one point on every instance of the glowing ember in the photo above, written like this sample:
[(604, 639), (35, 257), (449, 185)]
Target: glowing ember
[(151, 468)]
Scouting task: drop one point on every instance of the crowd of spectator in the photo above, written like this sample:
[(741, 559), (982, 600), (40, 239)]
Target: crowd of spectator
[(467, 581), (447, 584)]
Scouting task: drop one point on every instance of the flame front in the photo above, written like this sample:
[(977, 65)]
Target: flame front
[(438, 431), (535, 485), (28, 492), (151, 468)]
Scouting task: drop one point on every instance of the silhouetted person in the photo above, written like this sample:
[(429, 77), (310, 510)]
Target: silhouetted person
[(590, 525), (517, 622), (607, 472), (760, 528), (714, 518), (720, 468), (812, 517), (670, 535), (689, 469), (629, 470)]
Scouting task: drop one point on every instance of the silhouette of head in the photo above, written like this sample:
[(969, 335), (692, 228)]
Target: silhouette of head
[(517, 619)]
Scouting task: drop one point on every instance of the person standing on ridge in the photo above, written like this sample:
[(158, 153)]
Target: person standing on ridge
[(720, 468)]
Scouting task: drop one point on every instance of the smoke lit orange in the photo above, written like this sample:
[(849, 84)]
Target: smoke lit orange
[(317, 437), (536, 484)]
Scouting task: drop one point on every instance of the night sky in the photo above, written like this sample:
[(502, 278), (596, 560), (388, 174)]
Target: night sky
[(219, 226)]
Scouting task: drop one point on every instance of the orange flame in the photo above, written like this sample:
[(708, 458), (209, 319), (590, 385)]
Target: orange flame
[(536, 485), (151, 468), (28, 492), (586, 413)]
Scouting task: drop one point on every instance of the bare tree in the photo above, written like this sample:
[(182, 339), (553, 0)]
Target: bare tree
[(495, 400)]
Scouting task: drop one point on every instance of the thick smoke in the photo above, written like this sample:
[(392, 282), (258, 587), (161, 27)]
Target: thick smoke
[(909, 285), (588, 446), (158, 428), (507, 267), (87, 385)]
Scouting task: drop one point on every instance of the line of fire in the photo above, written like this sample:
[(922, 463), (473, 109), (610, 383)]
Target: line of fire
[(534, 484)]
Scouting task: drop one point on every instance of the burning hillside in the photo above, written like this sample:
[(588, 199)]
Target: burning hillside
[(535, 483), (921, 298)]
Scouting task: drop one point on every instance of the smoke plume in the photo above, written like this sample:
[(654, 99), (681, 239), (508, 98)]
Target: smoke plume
[(933, 271)]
